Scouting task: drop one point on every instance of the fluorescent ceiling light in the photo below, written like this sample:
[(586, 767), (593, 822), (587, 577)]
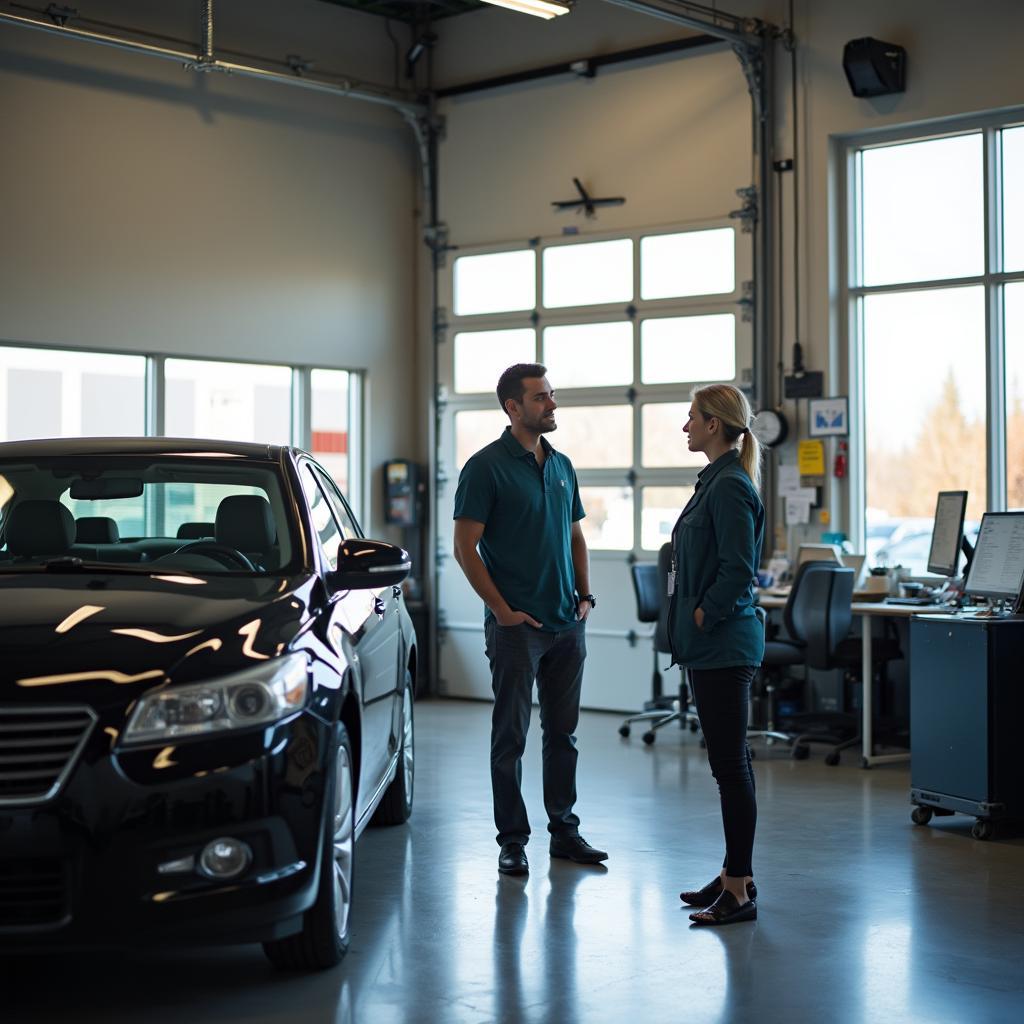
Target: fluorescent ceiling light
[(546, 9)]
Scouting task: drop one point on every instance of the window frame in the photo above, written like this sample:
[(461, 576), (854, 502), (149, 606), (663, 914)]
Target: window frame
[(155, 397), (852, 293)]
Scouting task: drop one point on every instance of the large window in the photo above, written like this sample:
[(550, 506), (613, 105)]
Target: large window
[(937, 279), (51, 393), (626, 326), (56, 393)]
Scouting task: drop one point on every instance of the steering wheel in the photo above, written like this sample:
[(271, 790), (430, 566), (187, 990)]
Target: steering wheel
[(230, 558)]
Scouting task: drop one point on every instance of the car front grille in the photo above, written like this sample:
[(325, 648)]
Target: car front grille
[(33, 894), (38, 749)]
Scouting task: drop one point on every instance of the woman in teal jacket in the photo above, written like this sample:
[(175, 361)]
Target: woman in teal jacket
[(714, 628)]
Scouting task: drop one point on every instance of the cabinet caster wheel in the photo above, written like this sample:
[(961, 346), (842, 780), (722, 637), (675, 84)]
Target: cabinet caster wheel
[(921, 815), (801, 752), (623, 730), (832, 759), (648, 738), (982, 829)]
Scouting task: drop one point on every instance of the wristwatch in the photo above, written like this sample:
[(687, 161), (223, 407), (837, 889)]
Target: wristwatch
[(591, 599)]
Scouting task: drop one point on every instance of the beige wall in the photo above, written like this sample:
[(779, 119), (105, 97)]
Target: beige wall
[(148, 208)]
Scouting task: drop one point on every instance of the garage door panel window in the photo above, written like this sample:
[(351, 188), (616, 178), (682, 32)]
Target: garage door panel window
[(482, 356), (688, 263), (688, 348), (658, 514), (664, 443), (589, 355), (588, 273), (608, 524), (475, 428), (498, 282), (595, 436)]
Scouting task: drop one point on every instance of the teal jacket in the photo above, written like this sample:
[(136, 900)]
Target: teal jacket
[(716, 549)]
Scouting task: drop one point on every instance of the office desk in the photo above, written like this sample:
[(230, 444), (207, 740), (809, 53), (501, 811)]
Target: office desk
[(868, 610)]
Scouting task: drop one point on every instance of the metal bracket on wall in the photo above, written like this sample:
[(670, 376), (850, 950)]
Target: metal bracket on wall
[(61, 15), (298, 64), (746, 302), (436, 239), (747, 213), (440, 324)]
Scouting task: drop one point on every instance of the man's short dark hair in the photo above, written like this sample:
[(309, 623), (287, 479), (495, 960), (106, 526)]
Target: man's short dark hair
[(510, 383)]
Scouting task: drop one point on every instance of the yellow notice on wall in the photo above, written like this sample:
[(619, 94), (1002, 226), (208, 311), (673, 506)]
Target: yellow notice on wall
[(810, 456)]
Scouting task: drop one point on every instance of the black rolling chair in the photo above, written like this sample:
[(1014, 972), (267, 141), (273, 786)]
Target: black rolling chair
[(650, 585), (817, 618)]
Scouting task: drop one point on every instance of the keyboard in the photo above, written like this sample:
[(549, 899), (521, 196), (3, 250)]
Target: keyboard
[(916, 602)]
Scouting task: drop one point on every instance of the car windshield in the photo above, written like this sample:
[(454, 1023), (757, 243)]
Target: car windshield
[(196, 514)]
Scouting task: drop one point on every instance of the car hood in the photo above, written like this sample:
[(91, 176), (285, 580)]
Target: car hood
[(103, 639)]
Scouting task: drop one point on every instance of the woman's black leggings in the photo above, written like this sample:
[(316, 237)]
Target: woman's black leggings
[(722, 696)]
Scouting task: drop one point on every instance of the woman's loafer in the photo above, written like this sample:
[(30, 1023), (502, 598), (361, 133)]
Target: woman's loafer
[(706, 896), (726, 910)]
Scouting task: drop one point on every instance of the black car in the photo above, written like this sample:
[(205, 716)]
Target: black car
[(206, 686)]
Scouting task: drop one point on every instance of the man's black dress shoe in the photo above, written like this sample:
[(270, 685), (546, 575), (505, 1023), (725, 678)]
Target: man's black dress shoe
[(726, 910), (512, 860), (574, 847), (706, 896)]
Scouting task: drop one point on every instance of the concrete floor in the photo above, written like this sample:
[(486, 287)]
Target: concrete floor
[(863, 917)]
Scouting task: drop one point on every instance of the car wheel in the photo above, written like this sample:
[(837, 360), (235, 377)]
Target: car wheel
[(324, 938), (396, 805)]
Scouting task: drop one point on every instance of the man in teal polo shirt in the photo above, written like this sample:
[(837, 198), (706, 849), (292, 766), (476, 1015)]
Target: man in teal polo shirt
[(519, 542)]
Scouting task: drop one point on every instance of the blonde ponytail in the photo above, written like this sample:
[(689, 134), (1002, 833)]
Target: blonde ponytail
[(729, 405)]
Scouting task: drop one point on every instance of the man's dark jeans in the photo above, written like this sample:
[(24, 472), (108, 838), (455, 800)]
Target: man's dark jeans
[(518, 655)]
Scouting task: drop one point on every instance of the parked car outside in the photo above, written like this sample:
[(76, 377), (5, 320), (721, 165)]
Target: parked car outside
[(206, 687), (910, 544)]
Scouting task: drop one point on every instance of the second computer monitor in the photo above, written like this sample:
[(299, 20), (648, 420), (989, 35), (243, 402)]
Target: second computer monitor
[(944, 554), (997, 569)]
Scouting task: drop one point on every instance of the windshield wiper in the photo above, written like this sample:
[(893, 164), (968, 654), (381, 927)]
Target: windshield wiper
[(71, 563)]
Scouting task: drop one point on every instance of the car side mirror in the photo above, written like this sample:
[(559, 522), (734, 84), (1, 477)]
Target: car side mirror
[(369, 564)]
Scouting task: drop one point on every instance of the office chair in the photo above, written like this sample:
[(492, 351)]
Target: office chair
[(817, 618), (650, 584)]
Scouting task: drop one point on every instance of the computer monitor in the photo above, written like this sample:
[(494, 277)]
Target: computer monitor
[(944, 554), (997, 569)]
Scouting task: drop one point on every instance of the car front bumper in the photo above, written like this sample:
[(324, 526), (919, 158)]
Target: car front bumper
[(83, 870)]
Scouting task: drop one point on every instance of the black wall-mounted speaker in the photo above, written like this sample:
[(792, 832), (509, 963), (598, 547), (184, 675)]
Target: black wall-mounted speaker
[(874, 68)]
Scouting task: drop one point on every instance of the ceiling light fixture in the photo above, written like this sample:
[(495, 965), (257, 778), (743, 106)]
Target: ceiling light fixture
[(546, 9)]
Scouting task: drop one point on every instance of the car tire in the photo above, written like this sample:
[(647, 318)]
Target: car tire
[(324, 938), (396, 804)]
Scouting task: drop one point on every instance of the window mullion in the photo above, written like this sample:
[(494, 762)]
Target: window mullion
[(994, 324)]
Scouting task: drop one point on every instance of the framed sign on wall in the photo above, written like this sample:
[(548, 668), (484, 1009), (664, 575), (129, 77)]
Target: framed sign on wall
[(828, 417)]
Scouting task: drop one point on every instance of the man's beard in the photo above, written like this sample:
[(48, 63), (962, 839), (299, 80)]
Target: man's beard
[(542, 425)]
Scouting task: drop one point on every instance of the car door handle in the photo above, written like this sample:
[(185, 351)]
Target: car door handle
[(379, 607)]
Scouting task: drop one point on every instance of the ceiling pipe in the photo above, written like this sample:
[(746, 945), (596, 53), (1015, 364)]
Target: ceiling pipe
[(348, 88), (732, 28)]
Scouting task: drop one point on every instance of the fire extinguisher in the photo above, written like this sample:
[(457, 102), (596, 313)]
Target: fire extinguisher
[(839, 467)]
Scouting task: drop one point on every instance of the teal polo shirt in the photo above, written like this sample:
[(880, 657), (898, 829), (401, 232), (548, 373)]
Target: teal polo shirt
[(527, 511)]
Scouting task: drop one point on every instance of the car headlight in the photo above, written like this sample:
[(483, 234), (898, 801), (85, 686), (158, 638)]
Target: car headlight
[(256, 696)]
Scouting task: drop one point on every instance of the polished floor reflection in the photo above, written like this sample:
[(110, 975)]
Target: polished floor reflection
[(864, 917)]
